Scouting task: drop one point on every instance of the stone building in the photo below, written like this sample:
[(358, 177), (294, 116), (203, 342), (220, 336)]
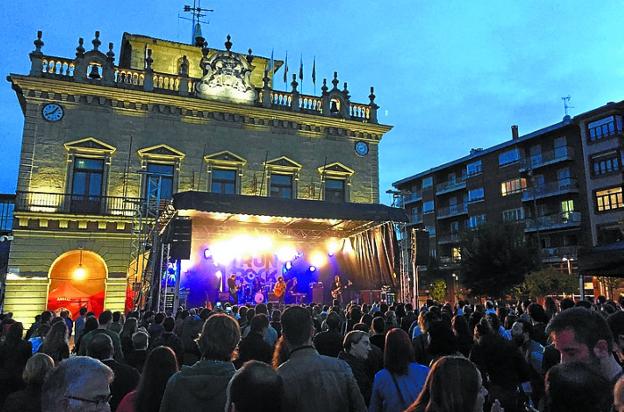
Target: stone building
[(199, 118)]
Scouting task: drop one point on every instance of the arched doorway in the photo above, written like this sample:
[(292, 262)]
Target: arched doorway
[(77, 279)]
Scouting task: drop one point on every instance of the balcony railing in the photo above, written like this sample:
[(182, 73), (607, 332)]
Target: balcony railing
[(449, 260), (547, 158), (449, 238), (75, 204), (568, 185), (454, 210), (451, 185), (416, 218), (551, 222), (412, 197), (556, 254)]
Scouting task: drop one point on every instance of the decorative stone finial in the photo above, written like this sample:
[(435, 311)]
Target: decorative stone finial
[(345, 87), (96, 41), (324, 88), (249, 56), (80, 50), (335, 81), (149, 60), (372, 96), (266, 80), (38, 42), (110, 55), (294, 83), (228, 43)]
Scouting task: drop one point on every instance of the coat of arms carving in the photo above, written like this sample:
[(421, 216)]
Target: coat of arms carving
[(227, 77)]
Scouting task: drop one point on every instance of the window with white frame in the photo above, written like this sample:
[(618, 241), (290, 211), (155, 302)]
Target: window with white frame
[(609, 199), (476, 221), (474, 168), (513, 215), (427, 182), (476, 195), (508, 157), (512, 186), (428, 206)]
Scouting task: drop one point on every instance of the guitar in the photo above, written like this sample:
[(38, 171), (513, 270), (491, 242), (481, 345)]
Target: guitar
[(280, 287), (336, 293)]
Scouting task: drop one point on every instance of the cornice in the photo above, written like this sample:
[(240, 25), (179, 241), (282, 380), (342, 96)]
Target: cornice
[(194, 109)]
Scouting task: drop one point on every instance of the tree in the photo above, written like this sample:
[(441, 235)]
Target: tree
[(438, 290), (495, 258), (550, 281)]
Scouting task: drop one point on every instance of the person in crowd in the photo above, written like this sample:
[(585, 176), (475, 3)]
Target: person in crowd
[(202, 387), (29, 398), (329, 342), (160, 365), (618, 396), (170, 339), (454, 384), (180, 317), (256, 387), (55, 343), (550, 307), (616, 324), (533, 352), (539, 319), (354, 314), (583, 335), (398, 384), (14, 353), (118, 322), (270, 335), (156, 328), (577, 387), (409, 318), (65, 315), (91, 324), (420, 336), (280, 353), (126, 377), (315, 382), (44, 319), (190, 333), (462, 334), (130, 327), (37, 338), (136, 358), (378, 332), (442, 340), (104, 321), (356, 347), (253, 346), (79, 324), (276, 321), (249, 316)]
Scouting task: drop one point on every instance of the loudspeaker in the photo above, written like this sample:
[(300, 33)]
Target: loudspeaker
[(318, 293), (180, 237), (420, 246)]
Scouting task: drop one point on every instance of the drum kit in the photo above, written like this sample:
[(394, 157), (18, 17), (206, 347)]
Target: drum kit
[(254, 289)]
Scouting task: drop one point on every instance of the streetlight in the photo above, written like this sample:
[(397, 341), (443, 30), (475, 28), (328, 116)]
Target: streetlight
[(581, 280), (455, 285)]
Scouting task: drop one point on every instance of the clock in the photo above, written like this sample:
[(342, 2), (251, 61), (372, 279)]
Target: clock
[(361, 148), (52, 112)]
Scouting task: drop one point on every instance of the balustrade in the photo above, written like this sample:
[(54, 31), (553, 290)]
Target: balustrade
[(57, 66)]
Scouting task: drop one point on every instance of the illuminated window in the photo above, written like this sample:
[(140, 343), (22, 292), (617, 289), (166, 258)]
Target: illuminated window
[(475, 195), (609, 126), (428, 206), (281, 186), (609, 199), (513, 186), (223, 181), (474, 168), (455, 254), (335, 190)]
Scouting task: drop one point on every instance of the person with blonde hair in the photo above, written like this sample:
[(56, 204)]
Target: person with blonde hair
[(29, 398)]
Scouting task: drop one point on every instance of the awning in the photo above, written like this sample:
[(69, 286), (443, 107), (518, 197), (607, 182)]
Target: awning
[(605, 260)]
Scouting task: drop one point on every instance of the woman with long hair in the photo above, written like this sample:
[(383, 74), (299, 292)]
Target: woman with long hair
[(462, 333), (160, 364), (55, 343), (90, 324), (454, 384), (29, 398), (14, 353), (280, 353), (129, 328), (400, 381)]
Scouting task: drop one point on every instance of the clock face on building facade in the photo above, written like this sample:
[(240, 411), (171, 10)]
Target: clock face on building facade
[(52, 112), (361, 148)]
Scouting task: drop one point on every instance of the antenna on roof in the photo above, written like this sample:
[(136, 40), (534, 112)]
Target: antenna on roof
[(566, 105), (197, 13)]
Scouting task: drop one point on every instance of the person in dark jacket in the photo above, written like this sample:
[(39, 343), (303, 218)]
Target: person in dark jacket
[(329, 343), (170, 339), (125, 378), (14, 352), (29, 398), (356, 347), (202, 387), (253, 346), (136, 358)]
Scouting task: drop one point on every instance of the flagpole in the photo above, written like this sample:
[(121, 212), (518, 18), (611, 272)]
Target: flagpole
[(286, 72), (314, 75)]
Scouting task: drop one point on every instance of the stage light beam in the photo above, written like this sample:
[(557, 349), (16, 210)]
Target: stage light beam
[(318, 259)]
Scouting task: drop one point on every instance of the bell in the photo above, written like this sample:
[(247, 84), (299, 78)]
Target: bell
[(94, 74), (334, 107)]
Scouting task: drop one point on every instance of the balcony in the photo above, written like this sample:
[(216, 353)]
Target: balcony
[(568, 185), (448, 261), (561, 154), (554, 222), (450, 186), (67, 203), (556, 254), (449, 238), (416, 218), (412, 197), (454, 210)]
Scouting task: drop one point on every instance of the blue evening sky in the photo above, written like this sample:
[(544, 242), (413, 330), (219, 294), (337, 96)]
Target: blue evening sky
[(449, 75)]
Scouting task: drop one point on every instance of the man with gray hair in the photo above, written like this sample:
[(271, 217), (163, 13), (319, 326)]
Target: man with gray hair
[(78, 384)]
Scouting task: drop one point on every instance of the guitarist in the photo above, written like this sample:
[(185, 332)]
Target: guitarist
[(280, 290), (336, 289), (233, 289)]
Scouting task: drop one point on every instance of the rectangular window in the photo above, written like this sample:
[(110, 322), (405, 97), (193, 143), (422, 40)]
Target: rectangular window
[(474, 168), (160, 174), (223, 181), (567, 208), (476, 221), (513, 186), (428, 206), (427, 182), (513, 215), (454, 227), (431, 230), (281, 186), (87, 184), (609, 126), (508, 157), (456, 254), (475, 195), (606, 163), (335, 190), (609, 199)]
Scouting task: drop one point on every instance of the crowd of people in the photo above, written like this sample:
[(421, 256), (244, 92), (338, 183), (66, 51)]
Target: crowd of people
[(557, 356)]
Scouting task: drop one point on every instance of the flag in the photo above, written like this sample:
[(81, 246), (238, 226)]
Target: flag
[(301, 68), (286, 68), (314, 71)]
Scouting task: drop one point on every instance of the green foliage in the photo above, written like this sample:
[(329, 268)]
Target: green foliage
[(495, 258), (550, 281), (438, 290)]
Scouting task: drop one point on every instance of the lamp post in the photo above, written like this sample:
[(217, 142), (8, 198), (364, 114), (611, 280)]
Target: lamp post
[(455, 285), (581, 280)]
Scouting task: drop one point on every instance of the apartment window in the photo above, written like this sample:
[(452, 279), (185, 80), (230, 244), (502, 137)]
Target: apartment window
[(475, 195), (431, 230), (513, 215), (508, 157), (281, 186), (334, 190), (609, 199), (162, 174), (476, 221), (454, 227), (87, 184), (223, 181), (606, 163), (513, 186), (561, 147), (427, 182), (567, 208), (455, 254), (474, 168), (428, 206), (606, 127)]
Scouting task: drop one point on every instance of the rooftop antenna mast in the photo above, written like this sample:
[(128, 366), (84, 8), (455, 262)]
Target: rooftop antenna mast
[(197, 12), (566, 104)]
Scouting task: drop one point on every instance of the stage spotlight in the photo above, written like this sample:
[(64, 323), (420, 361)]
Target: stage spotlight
[(288, 265), (207, 253), (312, 268), (318, 259), (218, 274), (286, 253), (347, 246), (332, 246)]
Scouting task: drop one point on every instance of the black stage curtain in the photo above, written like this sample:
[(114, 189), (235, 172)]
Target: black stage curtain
[(374, 260)]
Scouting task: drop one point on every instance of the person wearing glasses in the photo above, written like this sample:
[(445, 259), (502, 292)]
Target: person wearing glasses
[(77, 384)]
